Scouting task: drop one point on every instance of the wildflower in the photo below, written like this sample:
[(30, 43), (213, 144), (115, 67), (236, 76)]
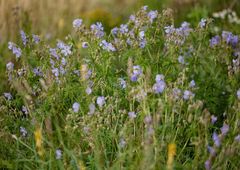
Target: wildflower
[(215, 41), (159, 78), (123, 83), (192, 84), (208, 165), (53, 53), (171, 154), (202, 23), (176, 93), (24, 110), (144, 7), (169, 30), (97, 29), (122, 143), (63, 61), (36, 38), (132, 115), (238, 94), (37, 71), (101, 101), (216, 139), (107, 46), (137, 71), (84, 45), (24, 37), (132, 18), (23, 131), (75, 107), (15, 50), (152, 15), (141, 35), (237, 138), (114, 31), (38, 140), (8, 96), (58, 154), (159, 87), (142, 43), (55, 71), (224, 129), (181, 60), (88, 90), (77, 23), (91, 109), (211, 150), (10, 66), (123, 28), (187, 95), (65, 49), (213, 119)]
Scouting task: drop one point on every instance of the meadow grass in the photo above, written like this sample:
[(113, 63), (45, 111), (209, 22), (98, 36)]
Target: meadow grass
[(147, 95)]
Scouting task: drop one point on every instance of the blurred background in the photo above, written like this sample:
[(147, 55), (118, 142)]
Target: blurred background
[(52, 19)]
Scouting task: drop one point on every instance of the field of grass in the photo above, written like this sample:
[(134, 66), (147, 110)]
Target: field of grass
[(134, 88)]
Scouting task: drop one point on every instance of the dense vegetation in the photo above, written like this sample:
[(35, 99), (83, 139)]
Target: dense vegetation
[(147, 95)]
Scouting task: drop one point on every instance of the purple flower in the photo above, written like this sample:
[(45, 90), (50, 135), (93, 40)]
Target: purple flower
[(192, 84), (145, 7), (65, 49), (122, 143), (215, 41), (224, 129), (15, 50), (77, 23), (55, 71), (91, 109), (238, 94), (53, 53), (10, 66), (36, 38), (169, 30), (208, 165), (97, 29), (84, 45), (123, 83), (24, 110), (107, 46), (152, 15), (237, 138), (23, 131), (132, 115), (141, 35), (101, 101), (181, 60), (176, 93), (159, 87), (114, 31), (132, 18), (216, 139), (137, 71), (142, 43), (188, 94), (202, 23), (213, 119), (123, 28), (159, 78), (88, 90), (58, 154), (8, 96), (75, 107), (211, 150), (37, 71), (24, 37)]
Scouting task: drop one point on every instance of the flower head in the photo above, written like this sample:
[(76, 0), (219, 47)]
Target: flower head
[(23, 131), (75, 107), (77, 23), (238, 94), (132, 115), (10, 66), (224, 129), (58, 154), (101, 101), (8, 96), (216, 139), (24, 37)]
